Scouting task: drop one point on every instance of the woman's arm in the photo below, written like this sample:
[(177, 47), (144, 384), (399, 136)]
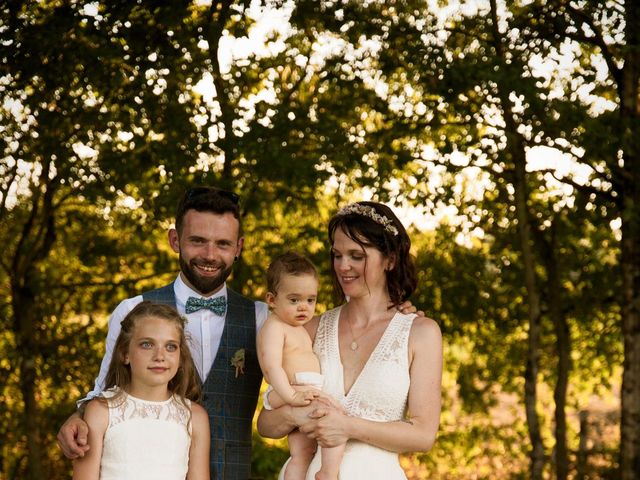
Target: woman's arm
[(279, 422), (416, 433), (200, 440), (97, 417)]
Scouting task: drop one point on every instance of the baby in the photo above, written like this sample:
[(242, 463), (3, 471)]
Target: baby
[(286, 356)]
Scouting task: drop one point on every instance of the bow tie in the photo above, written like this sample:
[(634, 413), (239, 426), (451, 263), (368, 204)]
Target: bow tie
[(217, 305)]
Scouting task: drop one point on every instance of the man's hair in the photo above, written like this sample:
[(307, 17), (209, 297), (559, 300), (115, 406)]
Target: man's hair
[(289, 263), (208, 199)]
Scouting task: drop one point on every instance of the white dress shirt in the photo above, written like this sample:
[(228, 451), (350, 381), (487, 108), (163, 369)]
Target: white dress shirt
[(204, 331)]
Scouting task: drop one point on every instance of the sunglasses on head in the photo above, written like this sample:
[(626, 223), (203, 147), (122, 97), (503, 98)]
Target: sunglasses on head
[(197, 191)]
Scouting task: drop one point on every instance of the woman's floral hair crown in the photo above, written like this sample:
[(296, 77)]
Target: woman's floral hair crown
[(369, 212)]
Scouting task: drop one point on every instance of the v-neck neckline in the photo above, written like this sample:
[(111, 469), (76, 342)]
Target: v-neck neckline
[(336, 339)]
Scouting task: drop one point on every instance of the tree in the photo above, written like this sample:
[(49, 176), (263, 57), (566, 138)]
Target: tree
[(422, 65), (97, 120), (606, 33)]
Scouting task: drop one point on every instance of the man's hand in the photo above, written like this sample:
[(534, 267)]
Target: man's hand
[(72, 437), (407, 307)]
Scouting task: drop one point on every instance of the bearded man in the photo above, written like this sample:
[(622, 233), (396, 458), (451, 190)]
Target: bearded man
[(222, 325)]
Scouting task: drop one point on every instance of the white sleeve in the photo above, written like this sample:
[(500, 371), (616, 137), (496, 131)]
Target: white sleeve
[(116, 317), (262, 312)]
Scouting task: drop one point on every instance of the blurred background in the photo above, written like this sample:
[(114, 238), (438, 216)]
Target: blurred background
[(504, 134)]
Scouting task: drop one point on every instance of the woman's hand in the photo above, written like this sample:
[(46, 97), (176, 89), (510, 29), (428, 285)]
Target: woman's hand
[(328, 426)]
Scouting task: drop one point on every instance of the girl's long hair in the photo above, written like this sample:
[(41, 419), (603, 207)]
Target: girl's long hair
[(185, 384)]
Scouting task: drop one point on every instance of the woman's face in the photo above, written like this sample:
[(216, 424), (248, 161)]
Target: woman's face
[(360, 270)]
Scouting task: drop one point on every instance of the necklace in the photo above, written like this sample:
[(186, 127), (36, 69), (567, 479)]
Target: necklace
[(354, 341)]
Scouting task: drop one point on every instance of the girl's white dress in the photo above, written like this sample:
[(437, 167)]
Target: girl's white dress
[(379, 394), (146, 440)]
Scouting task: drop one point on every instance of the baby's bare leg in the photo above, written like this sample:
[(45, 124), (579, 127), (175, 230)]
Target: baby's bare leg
[(331, 460), (275, 400), (302, 449)]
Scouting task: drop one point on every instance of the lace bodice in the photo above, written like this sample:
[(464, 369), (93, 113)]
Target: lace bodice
[(379, 394), (380, 391), (146, 440)]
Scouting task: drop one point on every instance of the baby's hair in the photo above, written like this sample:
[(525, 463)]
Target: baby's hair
[(289, 263), (185, 383)]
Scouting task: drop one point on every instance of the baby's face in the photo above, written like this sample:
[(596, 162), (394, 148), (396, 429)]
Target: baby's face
[(295, 301)]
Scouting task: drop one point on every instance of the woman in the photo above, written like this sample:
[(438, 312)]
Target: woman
[(384, 367)]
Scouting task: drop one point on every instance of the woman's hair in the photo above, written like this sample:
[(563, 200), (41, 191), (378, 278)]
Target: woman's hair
[(372, 224), (185, 383)]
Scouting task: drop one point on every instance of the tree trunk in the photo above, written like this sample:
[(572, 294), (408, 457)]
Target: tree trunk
[(516, 150), (583, 454), (630, 250), (533, 304), (34, 245), (630, 401), (563, 350), (23, 307)]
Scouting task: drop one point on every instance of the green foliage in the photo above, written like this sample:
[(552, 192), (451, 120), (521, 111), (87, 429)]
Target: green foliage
[(103, 128), (267, 458)]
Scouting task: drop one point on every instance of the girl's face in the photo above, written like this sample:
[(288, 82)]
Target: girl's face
[(360, 271), (153, 354)]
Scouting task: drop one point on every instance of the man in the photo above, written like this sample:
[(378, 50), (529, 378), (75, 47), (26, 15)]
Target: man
[(222, 324)]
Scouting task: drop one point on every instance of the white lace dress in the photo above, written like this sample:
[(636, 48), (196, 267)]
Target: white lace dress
[(379, 393), (146, 440)]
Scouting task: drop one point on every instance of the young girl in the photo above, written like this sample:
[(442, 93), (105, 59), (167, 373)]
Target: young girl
[(145, 426)]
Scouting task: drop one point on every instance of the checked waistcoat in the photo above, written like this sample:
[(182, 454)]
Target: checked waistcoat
[(230, 400)]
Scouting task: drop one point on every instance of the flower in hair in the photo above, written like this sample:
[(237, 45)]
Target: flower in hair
[(370, 212)]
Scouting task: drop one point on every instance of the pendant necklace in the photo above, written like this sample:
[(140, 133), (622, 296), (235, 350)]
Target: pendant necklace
[(354, 341)]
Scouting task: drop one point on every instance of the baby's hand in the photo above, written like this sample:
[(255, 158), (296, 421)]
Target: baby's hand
[(328, 401), (302, 398)]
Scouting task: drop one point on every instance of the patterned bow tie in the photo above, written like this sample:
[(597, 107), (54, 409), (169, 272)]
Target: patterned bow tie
[(217, 305)]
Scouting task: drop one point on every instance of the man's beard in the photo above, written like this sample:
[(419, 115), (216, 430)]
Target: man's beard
[(204, 285)]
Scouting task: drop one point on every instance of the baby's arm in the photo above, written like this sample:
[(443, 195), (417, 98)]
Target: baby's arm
[(200, 440), (271, 343), (97, 417), (275, 401)]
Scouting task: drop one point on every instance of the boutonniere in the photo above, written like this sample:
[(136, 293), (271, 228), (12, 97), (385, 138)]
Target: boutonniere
[(237, 361)]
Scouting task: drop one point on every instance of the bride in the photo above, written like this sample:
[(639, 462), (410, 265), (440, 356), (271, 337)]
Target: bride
[(382, 366)]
